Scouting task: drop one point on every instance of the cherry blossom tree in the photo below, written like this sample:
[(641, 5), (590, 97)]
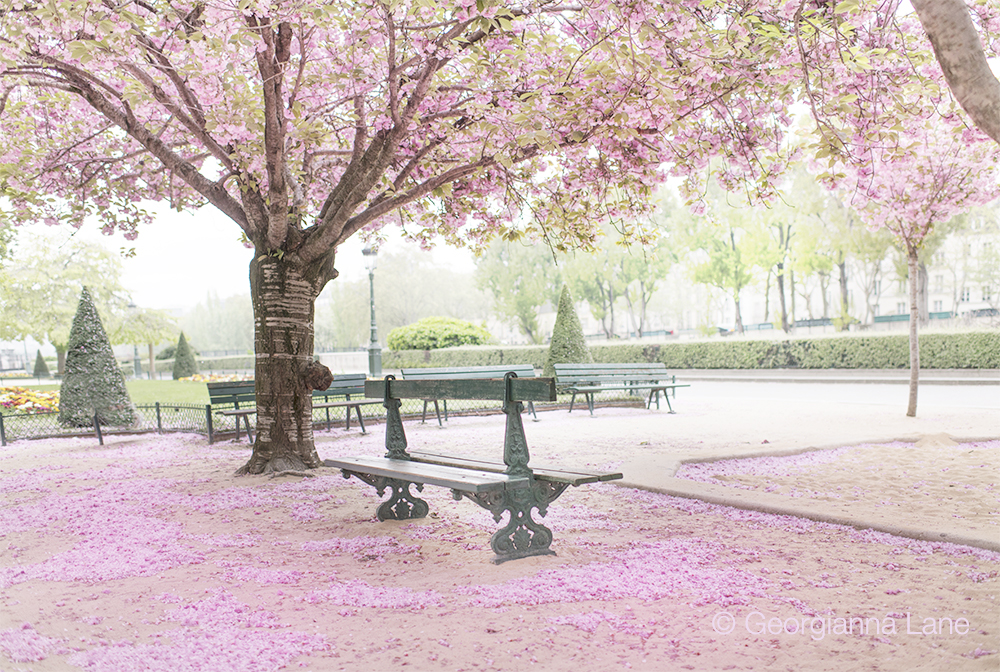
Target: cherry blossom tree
[(939, 169), (306, 122)]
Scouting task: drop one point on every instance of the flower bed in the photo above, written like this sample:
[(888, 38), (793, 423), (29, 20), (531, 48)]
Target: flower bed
[(23, 400), (214, 378)]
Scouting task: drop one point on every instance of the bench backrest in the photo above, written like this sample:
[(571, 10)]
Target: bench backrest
[(570, 374), (343, 385), (239, 393), (522, 389), (463, 372)]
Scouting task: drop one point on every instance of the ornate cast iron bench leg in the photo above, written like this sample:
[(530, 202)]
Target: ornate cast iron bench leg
[(522, 536), (402, 504)]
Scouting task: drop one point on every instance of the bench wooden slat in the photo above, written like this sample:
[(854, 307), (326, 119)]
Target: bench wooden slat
[(456, 478), (522, 371), (542, 473), (522, 389)]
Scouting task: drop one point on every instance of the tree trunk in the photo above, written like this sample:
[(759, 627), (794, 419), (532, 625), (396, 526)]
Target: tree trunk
[(923, 308), (844, 304), (60, 359), (911, 408), (283, 301), (780, 279), (739, 316), (963, 61), (152, 363)]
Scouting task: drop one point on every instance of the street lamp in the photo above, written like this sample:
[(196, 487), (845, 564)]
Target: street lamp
[(374, 351), (133, 309)]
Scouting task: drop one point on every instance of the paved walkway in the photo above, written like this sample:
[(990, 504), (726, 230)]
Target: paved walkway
[(726, 419)]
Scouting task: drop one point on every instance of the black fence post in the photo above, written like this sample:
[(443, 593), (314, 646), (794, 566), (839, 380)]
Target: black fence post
[(208, 422), (97, 428), (159, 421), (3, 435)]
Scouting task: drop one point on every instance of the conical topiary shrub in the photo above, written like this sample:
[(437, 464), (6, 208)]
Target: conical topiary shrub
[(184, 364), (92, 382), (568, 345), (41, 368)]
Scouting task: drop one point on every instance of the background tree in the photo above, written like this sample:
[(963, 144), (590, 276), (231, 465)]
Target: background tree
[(44, 282), (307, 122), (92, 385), (568, 345), (937, 173), (185, 365), (521, 278)]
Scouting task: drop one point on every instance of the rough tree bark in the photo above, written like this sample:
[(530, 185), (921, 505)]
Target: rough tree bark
[(284, 298), (963, 61)]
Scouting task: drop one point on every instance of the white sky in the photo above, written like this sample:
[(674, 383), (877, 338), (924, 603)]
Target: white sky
[(182, 257)]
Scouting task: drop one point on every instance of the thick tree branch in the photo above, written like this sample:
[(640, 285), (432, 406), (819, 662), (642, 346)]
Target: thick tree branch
[(963, 61), (96, 94)]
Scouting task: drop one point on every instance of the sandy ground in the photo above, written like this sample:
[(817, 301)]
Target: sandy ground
[(147, 554)]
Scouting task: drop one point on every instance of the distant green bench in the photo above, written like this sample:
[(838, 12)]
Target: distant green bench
[(510, 486), (238, 399), (464, 373), (591, 379)]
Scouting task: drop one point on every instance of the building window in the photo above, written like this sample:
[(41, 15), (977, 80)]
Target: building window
[(875, 310), (987, 293), (902, 287), (938, 307), (938, 283), (900, 308), (966, 294)]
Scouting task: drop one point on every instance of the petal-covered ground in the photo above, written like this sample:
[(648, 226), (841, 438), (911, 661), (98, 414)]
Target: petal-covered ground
[(147, 554)]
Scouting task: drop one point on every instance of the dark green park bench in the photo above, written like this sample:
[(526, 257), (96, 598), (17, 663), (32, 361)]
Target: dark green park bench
[(464, 373), (238, 399), (510, 485), (591, 379)]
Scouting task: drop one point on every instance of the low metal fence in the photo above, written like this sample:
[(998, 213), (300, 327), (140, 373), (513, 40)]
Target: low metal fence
[(203, 419)]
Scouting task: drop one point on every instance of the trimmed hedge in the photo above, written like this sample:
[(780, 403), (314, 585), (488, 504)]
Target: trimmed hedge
[(432, 333), (972, 350)]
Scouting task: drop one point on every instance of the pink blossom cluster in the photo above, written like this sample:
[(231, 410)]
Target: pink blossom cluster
[(478, 114)]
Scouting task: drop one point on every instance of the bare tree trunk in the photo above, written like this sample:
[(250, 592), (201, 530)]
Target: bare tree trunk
[(767, 296), (922, 298), (739, 316), (780, 278), (284, 300), (911, 408), (844, 303)]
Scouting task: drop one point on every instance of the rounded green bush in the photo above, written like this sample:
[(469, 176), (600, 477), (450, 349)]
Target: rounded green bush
[(432, 333)]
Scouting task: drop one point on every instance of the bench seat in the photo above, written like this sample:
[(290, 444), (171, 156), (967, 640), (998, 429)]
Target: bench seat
[(510, 488), (591, 379), (445, 476), (549, 473)]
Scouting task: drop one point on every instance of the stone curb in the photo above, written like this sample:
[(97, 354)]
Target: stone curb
[(824, 512)]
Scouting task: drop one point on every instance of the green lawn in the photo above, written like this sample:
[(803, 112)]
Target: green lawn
[(146, 391)]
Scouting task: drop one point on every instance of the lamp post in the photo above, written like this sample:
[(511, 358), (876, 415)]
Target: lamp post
[(374, 351), (137, 365)]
